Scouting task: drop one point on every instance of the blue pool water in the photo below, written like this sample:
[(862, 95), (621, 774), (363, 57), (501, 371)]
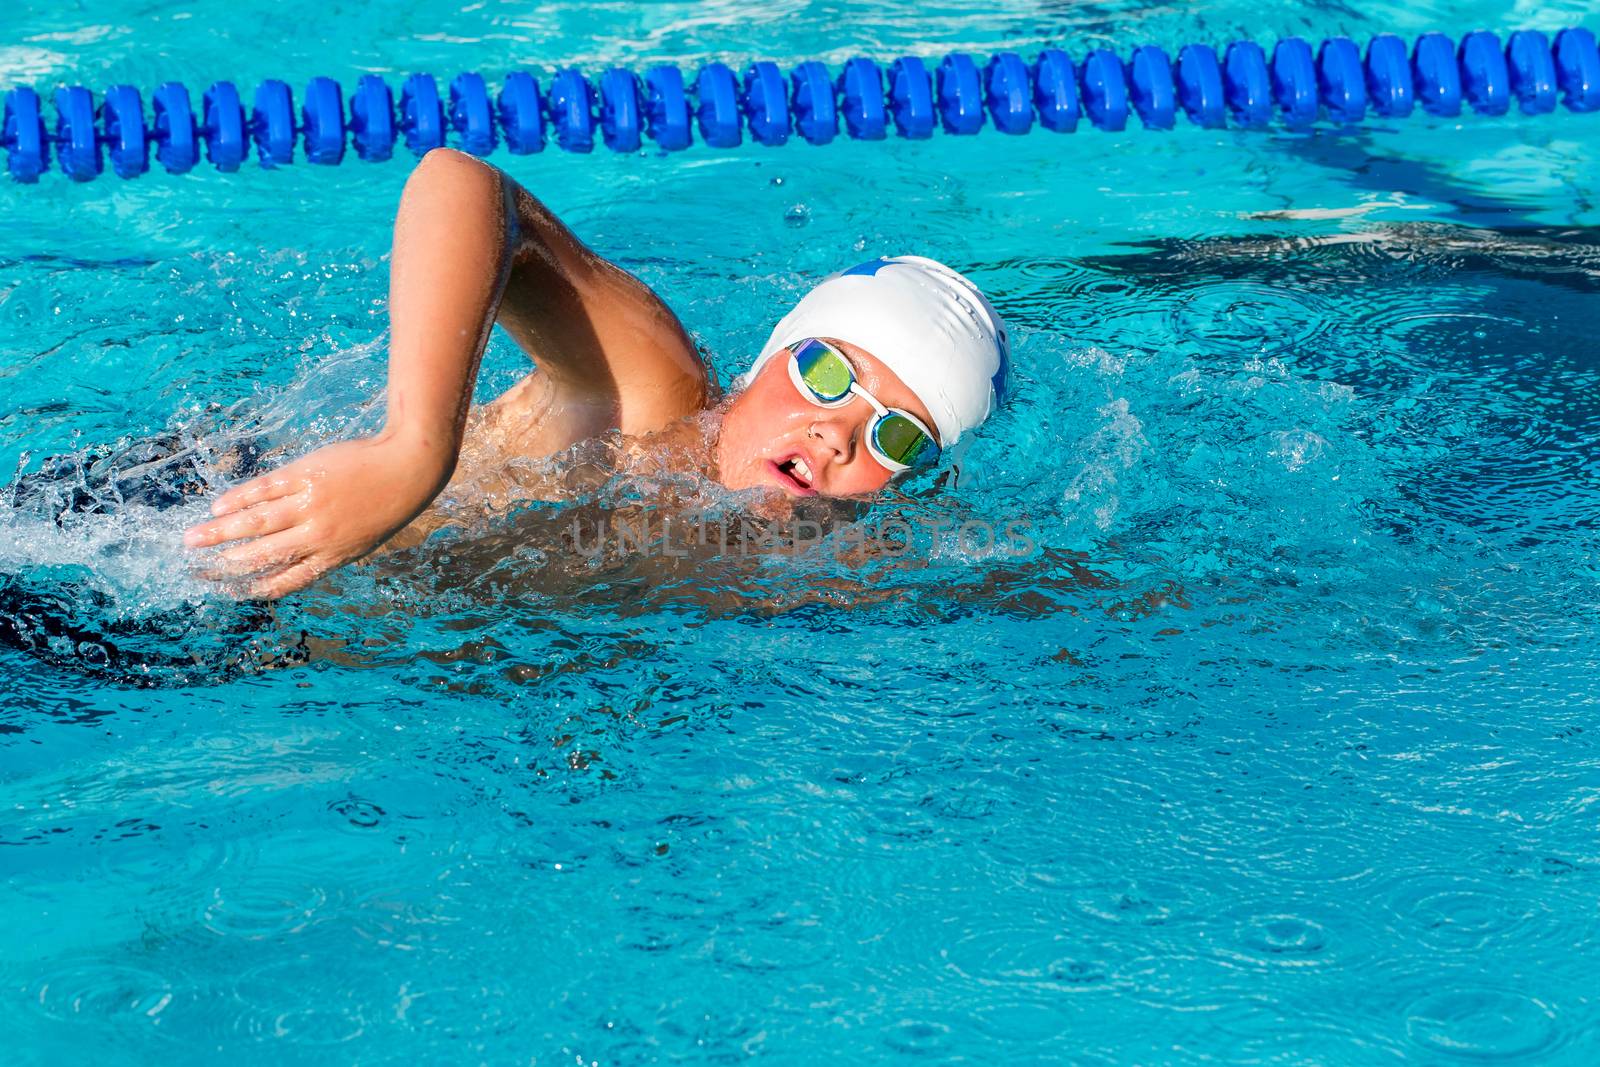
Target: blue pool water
[(1279, 747)]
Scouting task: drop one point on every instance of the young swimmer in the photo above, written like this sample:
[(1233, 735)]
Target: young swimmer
[(878, 370)]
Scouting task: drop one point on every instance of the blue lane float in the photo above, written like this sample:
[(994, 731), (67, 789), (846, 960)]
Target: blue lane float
[(1338, 82)]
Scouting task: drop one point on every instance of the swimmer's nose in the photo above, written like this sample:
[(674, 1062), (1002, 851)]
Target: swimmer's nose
[(833, 438)]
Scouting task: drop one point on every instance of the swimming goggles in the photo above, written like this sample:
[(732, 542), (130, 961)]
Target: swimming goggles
[(895, 437)]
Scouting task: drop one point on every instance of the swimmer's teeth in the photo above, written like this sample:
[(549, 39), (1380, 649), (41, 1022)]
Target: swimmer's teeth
[(802, 470)]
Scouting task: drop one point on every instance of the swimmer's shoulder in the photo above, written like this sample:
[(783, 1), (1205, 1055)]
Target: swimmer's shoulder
[(661, 375), (602, 334)]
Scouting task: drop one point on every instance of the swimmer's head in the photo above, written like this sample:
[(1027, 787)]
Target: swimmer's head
[(918, 338)]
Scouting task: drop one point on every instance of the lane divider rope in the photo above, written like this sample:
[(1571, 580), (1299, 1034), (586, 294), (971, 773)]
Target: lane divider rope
[(1244, 87)]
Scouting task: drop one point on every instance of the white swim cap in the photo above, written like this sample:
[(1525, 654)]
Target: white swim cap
[(924, 321)]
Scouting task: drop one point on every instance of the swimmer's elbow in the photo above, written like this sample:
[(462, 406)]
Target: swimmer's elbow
[(460, 183), (450, 161), (456, 177)]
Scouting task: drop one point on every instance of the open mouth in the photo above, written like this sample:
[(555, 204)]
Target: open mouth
[(794, 474)]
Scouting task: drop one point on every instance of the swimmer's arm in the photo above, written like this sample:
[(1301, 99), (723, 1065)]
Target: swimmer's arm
[(451, 258), (615, 354)]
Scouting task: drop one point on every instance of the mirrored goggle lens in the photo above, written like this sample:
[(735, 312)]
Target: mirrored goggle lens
[(903, 441), (824, 371)]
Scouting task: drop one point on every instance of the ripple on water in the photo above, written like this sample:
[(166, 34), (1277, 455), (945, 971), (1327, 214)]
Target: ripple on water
[(1099, 306), (358, 814), (455, 1012), (785, 944), (919, 1037), (1250, 318), (317, 1026), (159, 870), (1396, 315), (1281, 940), (284, 1001), (1314, 852), (79, 989), (1482, 1024), (273, 998), (400, 922), (1026, 1025), (270, 903), (1027, 984), (1027, 958), (1150, 900), (283, 885), (1274, 1033), (1457, 914)]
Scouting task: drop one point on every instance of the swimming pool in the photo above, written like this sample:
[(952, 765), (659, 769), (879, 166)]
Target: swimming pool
[(1279, 746)]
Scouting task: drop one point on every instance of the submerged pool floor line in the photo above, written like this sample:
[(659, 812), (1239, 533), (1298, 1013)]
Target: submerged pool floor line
[(1244, 87)]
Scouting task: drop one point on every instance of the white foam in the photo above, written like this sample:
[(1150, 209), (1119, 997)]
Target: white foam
[(135, 555)]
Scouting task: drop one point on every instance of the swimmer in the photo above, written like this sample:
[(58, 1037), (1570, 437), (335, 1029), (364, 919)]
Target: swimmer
[(879, 370)]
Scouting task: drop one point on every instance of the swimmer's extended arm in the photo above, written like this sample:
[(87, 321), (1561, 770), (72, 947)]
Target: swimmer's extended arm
[(617, 357)]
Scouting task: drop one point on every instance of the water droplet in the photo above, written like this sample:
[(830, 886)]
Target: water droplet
[(797, 216)]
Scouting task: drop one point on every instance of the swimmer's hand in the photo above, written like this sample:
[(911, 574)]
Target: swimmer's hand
[(299, 522)]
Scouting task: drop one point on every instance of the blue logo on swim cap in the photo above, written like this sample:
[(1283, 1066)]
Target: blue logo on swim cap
[(1002, 374), (867, 269)]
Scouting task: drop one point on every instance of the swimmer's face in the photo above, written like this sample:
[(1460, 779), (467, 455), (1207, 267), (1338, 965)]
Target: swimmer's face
[(772, 435)]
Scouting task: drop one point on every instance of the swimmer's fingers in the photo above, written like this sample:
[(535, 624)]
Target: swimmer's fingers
[(262, 519), (274, 552), (257, 491), (287, 581)]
